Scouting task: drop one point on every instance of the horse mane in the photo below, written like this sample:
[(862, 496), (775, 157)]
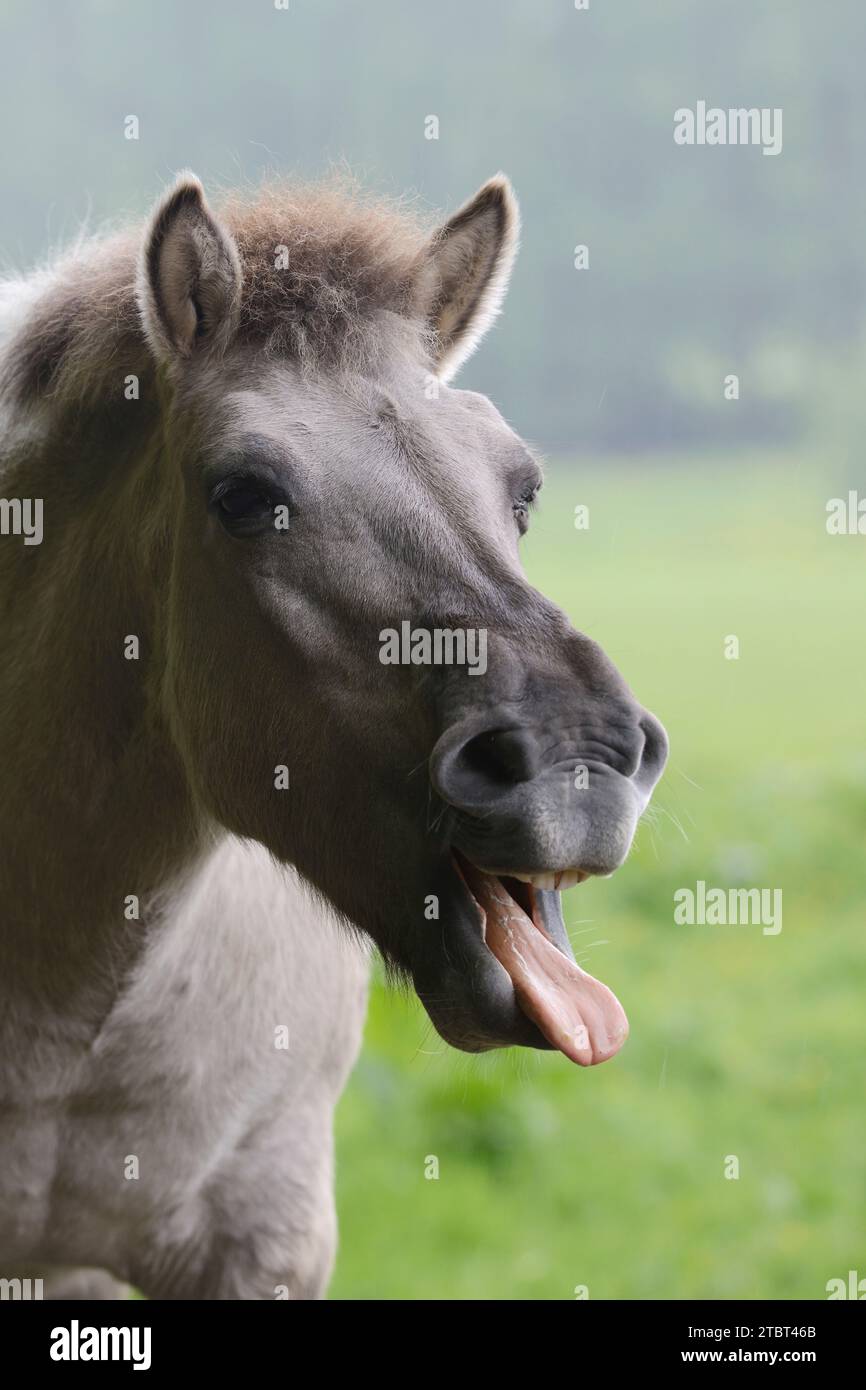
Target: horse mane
[(321, 263)]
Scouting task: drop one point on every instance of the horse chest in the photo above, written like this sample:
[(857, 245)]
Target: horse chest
[(231, 1040)]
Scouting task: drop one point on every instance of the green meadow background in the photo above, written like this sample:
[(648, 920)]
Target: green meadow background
[(551, 1176)]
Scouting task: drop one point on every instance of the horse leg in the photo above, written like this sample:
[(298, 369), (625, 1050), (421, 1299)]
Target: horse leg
[(268, 1230)]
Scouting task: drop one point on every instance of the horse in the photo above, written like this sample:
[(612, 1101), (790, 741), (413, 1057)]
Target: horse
[(220, 797)]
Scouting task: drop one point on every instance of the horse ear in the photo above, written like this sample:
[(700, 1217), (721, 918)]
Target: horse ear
[(189, 275), (466, 272)]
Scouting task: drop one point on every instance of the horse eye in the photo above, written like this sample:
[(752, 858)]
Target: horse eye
[(523, 505), (241, 503)]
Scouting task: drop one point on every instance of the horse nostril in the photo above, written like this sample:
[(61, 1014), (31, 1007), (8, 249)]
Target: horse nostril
[(502, 755), (654, 755), (472, 773)]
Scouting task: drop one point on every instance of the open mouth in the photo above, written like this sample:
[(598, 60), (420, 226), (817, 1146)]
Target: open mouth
[(577, 1014)]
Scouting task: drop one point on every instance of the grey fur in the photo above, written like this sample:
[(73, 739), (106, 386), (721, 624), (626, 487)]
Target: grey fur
[(155, 1039)]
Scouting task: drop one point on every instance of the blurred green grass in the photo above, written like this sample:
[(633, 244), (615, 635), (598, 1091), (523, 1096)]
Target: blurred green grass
[(741, 1044)]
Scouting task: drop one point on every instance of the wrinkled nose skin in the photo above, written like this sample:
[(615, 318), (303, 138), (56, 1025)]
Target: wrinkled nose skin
[(555, 777)]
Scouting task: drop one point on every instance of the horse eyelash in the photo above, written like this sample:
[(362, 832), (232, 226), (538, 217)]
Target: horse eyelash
[(239, 480), (528, 497)]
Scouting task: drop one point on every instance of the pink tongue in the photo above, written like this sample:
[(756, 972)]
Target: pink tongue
[(575, 1012)]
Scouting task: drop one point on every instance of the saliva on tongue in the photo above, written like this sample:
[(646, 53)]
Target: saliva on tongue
[(576, 1013)]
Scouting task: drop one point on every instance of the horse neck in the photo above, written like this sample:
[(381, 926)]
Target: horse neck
[(98, 806)]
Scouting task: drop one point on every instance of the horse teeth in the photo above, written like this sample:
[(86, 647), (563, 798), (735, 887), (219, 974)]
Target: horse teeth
[(565, 878), (569, 879)]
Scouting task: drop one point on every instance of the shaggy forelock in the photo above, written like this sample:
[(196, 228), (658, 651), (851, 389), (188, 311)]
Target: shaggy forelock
[(323, 266)]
